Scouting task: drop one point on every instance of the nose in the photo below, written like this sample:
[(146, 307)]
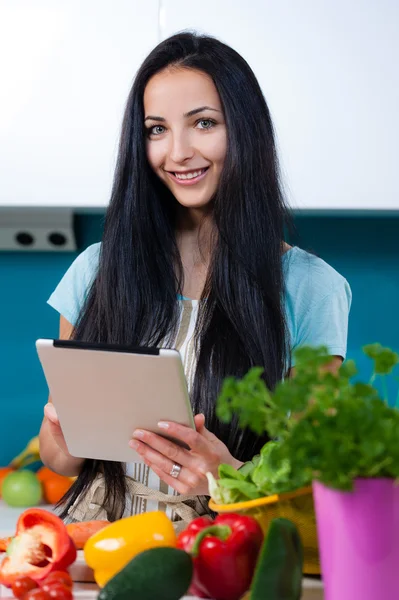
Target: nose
[(181, 148)]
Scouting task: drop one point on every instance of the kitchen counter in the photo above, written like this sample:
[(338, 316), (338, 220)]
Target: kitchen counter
[(84, 588)]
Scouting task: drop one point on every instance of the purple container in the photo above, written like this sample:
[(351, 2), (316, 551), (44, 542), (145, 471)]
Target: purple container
[(358, 535)]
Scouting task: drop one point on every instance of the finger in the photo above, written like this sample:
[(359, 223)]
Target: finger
[(199, 421), (168, 449), (155, 460), (194, 439), (51, 413), (173, 482), (58, 436), (55, 427)]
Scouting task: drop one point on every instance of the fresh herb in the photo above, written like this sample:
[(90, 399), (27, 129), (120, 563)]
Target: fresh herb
[(325, 425)]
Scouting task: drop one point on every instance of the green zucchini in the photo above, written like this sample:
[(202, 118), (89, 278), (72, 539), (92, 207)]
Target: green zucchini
[(157, 573), (278, 572)]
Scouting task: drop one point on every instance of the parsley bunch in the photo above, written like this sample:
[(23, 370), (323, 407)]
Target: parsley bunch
[(326, 426)]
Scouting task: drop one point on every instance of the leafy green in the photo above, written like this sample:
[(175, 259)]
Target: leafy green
[(248, 396), (247, 468), (327, 427), (268, 473), (273, 474), (384, 358), (233, 485)]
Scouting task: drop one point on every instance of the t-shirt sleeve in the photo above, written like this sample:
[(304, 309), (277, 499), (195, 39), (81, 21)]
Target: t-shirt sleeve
[(325, 323), (70, 294)]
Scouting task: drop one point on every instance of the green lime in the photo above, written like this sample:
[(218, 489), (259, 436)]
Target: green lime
[(22, 489)]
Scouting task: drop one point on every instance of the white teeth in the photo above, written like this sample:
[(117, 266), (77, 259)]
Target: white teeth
[(189, 175)]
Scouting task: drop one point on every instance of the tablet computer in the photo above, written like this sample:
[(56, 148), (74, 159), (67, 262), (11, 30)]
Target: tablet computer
[(103, 392)]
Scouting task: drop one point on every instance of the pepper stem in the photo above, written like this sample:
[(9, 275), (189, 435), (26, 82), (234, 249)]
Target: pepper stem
[(222, 532)]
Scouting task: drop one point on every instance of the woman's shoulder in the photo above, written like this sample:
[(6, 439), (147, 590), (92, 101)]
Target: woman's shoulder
[(309, 276), (318, 301), (70, 294), (90, 256), (84, 268)]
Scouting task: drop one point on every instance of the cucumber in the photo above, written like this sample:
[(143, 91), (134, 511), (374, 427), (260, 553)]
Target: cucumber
[(157, 573), (278, 572)]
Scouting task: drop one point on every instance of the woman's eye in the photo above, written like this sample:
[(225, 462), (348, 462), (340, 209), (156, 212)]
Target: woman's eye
[(156, 130), (206, 123)]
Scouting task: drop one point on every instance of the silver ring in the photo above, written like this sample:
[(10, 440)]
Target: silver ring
[(175, 471)]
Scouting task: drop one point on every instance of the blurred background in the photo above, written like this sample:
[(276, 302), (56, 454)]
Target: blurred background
[(329, 74)]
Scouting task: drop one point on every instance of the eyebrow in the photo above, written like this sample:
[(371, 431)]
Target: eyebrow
[(190, 113)]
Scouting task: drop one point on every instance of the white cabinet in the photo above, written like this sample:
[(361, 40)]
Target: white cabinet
[(329, 72), (66, 67)]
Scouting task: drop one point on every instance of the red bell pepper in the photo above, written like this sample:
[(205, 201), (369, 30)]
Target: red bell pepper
[(41, 545), (224, 553)]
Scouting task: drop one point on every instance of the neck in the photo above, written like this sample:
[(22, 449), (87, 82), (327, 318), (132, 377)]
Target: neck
[(195, 231), (193, 218)]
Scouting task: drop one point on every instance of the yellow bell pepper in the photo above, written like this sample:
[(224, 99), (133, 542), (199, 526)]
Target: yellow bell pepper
[(111, 548)]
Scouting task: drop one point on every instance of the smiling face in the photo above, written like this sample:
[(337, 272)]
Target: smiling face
[(186, 134)]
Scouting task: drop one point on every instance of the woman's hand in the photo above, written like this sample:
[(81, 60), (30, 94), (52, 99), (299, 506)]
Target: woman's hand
[(206, 454), (55, 428)]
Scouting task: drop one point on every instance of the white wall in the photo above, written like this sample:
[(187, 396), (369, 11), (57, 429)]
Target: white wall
[(329, 71), (66, 68)]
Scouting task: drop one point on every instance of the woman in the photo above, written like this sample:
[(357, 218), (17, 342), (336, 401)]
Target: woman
[(192, 257)]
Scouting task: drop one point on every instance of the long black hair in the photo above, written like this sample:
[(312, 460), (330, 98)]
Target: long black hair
[(133, 299)]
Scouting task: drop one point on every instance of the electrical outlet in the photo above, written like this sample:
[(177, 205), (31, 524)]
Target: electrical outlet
[(37, 230)]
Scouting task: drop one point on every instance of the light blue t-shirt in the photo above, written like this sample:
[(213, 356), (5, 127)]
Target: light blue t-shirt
[(317, 298)]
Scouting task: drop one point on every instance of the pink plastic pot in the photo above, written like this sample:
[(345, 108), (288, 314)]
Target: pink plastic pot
[(358, 535)]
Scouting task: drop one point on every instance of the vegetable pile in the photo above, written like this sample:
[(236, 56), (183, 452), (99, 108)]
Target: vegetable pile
[(220, 559), (141, 557)]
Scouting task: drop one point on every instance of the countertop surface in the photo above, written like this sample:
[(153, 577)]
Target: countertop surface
[(84, 588)]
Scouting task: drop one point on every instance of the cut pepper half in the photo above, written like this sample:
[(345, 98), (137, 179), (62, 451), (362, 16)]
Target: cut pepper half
[(41, 545)]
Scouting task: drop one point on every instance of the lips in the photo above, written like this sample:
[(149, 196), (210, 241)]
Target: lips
[(189, 174), (188, 177)]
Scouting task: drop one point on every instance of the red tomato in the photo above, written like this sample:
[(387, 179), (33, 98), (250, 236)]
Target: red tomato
[(58, 577), (60, 592), (37, 594), (22, 585)]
